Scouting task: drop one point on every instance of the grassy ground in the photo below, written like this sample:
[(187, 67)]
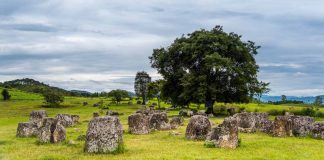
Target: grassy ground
[(157, 145)]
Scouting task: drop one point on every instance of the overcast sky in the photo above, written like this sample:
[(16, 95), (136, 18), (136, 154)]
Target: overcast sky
[(99, 45)]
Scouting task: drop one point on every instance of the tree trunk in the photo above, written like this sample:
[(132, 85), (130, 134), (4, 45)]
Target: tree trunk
[(209, 107), (144, 99), (159, 103)]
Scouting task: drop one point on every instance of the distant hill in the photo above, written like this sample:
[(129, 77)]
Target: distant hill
[(80, 93), (306, 99), (33, 86)]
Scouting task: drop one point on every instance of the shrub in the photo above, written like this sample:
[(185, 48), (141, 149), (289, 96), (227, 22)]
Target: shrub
[(209, 144), (53, 99), (138, 102), (81, 137), (239, 142), (309, 111), (319, 114), (5, 94), (241, 109), (274, 112), (220, 109)]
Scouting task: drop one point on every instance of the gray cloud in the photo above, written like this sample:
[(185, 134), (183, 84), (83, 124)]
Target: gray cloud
[(99, 45)]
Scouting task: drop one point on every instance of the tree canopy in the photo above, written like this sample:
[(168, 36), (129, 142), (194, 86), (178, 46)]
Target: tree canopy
[(207, 66), (142, 81), (5, 94), (118, 95), (52, 98), (318, 100), (154, 90)]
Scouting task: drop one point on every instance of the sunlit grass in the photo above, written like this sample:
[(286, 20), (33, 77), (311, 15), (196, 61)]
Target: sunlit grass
[(157, 145)]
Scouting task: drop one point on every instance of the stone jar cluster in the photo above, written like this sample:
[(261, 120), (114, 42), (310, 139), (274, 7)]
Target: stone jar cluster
[(146, 120), (48, 130), (287, 125)]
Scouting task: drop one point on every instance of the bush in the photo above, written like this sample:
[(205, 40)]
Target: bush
[(241, 109), (5, 94), (319, 114), (209, 144), (275, 112), (53, 99), (220, 110), (309, 111), (138, 102)]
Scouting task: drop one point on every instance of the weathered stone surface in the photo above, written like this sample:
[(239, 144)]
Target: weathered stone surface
[(198, 127), (27, 129), (71, 142), (75, 119), (226, 134), (138, 124), (176, 122), (201, 113), (302, 125), (37, 117), (262, 122), (95, 114), (282, 126), (183, 113), (246, 122), (52, 131), (96, 105), (159, 121), (289, 114), (267, 126), (104, 135), (250, 122), (190, 113), (289, 125), (146, 111), (67, 120), (174, 133), (231, 111), (317, 130), (112, 113)]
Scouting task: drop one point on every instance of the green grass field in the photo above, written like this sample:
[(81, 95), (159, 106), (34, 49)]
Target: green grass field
[(157, 145)]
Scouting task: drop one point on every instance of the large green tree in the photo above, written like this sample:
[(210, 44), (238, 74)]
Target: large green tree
[(118, 95), (142, 81), (208, 66)]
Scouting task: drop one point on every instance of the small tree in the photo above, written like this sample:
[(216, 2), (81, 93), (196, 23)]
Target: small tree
[(53, 99), (318, 101), (154, 90), (118, 95), (5, 94), (283, 98), (260, 89), (142, 81)]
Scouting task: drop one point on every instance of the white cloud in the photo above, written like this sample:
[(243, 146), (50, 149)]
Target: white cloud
[(75, 43)]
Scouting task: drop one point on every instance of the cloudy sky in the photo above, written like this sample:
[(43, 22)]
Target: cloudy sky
[(100, 44)]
